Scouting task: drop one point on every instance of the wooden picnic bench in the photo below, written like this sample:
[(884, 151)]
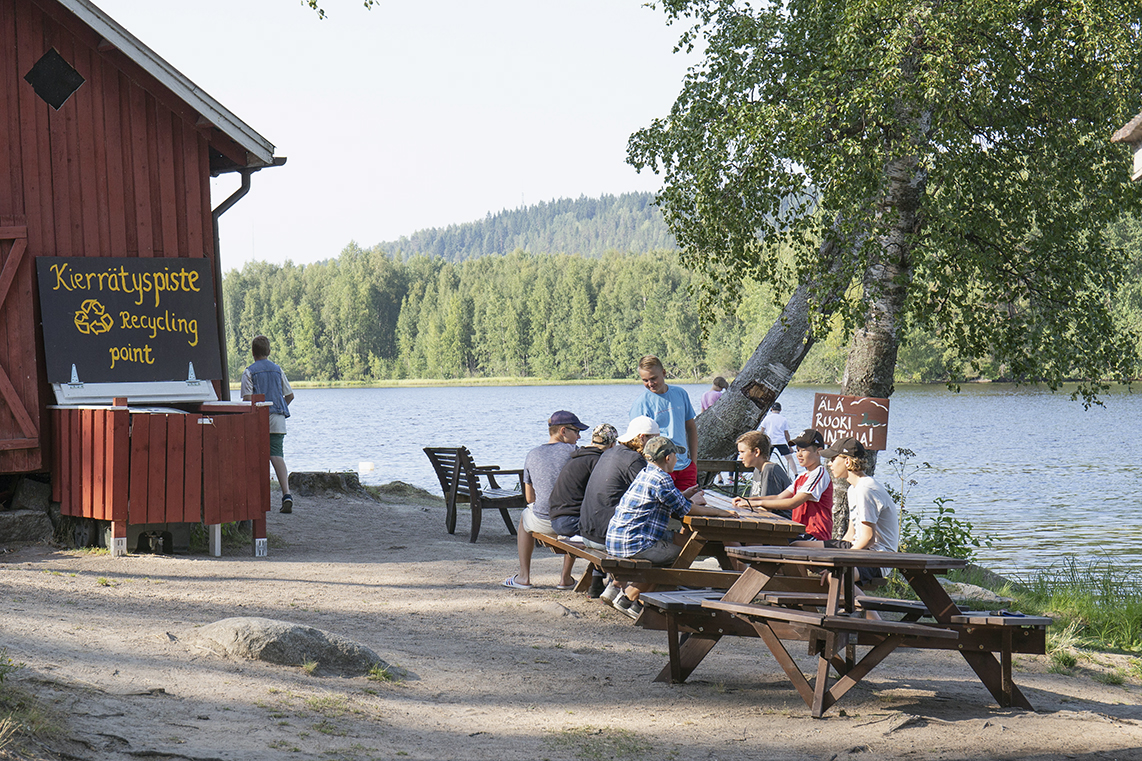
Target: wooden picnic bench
[(835, 625), (630, 571), (460, 481)]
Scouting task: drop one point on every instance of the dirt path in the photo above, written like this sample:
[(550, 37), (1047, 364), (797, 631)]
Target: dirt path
[(497, 674)]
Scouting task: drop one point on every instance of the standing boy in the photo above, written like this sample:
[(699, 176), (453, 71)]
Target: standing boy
[(776, 427), (670, 407), (811, 495), (266, 378), (541, 468)]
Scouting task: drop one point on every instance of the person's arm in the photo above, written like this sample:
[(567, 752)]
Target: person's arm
[(861, 535), (692, 439), (289, 399), (696, 509), (781, 502), (529, 493), (756, 501)]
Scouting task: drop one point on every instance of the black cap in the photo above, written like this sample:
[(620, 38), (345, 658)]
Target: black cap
[(563, 417), (849, 447), (809, 438)]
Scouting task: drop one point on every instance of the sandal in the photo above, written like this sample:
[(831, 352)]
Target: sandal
[(567, 587), (511, 583)]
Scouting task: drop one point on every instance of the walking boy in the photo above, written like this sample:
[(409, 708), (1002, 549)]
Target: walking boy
[(776, 427), (266, 378), (811, 495)]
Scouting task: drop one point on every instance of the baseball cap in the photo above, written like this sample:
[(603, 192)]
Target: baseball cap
[(638, 426), (849, 447), (563, 417), (809, 438), (660, 448), (605, 434)]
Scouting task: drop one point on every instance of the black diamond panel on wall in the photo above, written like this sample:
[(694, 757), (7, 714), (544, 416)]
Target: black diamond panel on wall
[(54, 79)]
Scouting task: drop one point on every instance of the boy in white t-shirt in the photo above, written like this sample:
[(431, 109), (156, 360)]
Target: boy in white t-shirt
[(874, 521)]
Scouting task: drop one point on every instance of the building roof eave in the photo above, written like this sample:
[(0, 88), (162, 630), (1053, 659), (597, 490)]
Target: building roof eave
[(260, 152)]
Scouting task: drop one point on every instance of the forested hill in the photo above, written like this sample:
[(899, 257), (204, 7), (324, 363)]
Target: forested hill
[(589, 226)]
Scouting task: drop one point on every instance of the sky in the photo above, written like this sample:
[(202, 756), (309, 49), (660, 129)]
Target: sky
[(416, 114)]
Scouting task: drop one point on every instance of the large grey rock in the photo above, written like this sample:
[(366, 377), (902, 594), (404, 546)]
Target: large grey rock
[(32, 495), (286, 644), (972, 596), (24, 526), (309, 484)]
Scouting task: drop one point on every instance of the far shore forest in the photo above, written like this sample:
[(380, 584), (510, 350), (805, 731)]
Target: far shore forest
[(567, 290)]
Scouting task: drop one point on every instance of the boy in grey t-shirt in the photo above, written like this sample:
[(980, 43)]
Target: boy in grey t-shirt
[(540, 470)]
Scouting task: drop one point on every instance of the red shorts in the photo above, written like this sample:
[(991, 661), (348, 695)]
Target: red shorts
[(686, 477)]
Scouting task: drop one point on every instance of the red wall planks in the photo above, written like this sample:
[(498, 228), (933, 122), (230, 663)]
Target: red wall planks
[(120, 170)]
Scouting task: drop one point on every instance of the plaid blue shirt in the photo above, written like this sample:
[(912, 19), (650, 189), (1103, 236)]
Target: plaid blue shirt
[(642, 514)]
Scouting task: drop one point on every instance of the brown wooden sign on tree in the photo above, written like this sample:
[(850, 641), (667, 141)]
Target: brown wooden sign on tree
[(862, 417)]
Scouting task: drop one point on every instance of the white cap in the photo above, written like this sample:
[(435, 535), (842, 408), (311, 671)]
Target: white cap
[(640, 425)]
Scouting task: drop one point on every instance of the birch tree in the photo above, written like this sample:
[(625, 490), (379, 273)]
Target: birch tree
[(954, 155)]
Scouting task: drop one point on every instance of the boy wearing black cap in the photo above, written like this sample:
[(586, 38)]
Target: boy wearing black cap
[(540, 470), (874, 521), (811, 495)]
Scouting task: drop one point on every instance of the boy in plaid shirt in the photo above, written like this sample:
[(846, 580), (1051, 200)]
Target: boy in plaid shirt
[(639, 526)]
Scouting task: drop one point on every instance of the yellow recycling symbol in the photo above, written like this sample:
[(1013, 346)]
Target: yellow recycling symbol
[(92, 319)]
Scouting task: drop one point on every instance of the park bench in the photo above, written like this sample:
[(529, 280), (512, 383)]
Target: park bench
[(708, 471), (460, 481), (630, 571)]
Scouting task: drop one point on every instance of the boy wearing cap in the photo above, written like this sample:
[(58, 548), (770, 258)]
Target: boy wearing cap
[(670, 407), (267, 378), (540, 470), (567, 495), (639, 526), (811, 495), (874, 521), (613, 474)]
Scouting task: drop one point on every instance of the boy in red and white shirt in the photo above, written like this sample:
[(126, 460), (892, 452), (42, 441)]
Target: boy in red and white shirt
[(811, 495)]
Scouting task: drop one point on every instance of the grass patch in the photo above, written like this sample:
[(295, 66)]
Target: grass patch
[(331, 706), (1108, 677), (309, 667), (379, 673), (24, 716), (103, 581), (1097, 606), (604, 744)]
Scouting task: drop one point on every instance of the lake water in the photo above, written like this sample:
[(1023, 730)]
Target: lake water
[(1041, 475)]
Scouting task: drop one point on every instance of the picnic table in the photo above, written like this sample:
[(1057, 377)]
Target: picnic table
[(744, 527), (707, 536), (832, 620)]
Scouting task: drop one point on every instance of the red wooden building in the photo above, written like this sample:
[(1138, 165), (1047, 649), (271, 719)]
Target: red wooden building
[(105, 151)]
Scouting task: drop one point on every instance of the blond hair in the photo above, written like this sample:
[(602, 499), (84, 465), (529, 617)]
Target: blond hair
[(756, 440), (649, 362)]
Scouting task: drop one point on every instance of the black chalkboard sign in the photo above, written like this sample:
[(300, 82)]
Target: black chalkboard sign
[(128, 319)]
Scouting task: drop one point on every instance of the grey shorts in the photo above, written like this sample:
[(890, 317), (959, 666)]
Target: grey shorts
[(662, 552), (532, 523)]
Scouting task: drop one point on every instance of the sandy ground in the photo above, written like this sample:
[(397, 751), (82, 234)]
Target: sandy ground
[(495, 673)]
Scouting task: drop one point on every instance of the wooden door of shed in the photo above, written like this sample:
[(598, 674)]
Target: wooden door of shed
[(20, 440)]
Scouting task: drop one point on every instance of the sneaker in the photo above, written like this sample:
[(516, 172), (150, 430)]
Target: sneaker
[(609, 594), (597, 587), (287, 503), (623, 603), (634, 610)]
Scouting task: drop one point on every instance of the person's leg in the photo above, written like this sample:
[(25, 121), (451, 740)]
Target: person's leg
[(277, 460), (566, 579), (525, 543), (792, 464), (687, 477)]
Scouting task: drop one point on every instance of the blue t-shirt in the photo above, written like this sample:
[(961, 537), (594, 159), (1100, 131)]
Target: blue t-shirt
[(670, 410)]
